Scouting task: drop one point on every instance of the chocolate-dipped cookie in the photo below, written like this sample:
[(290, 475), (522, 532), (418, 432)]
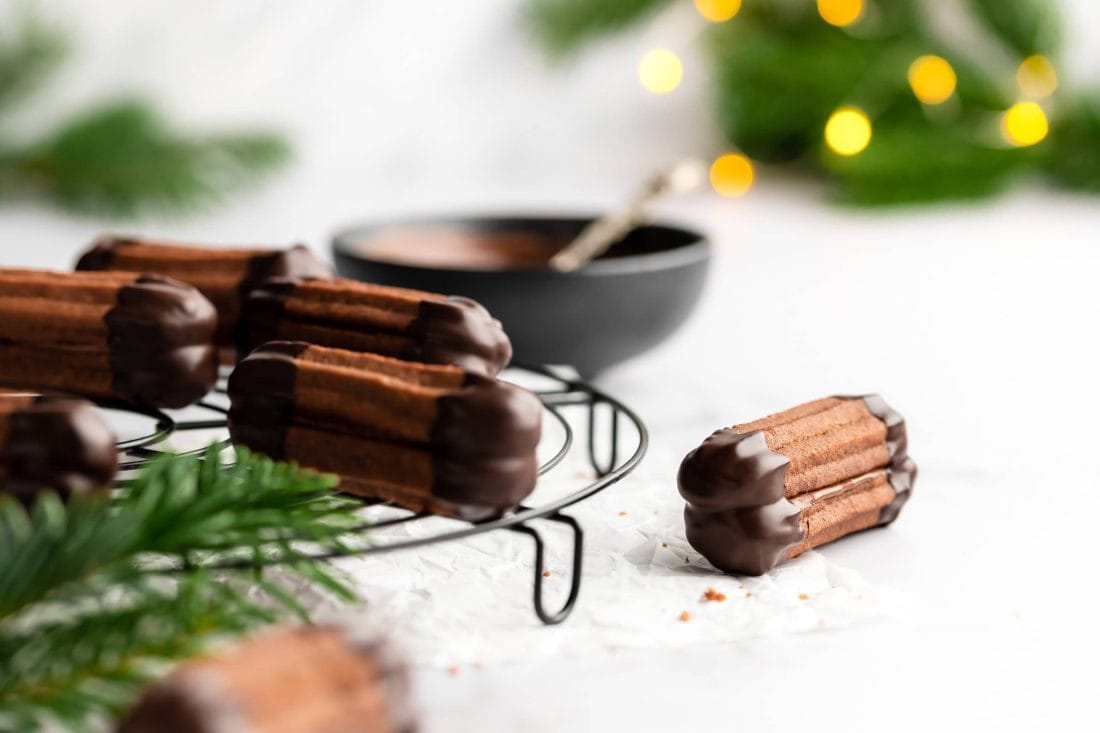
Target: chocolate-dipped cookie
[(224, 275), (57, 443), (135, 338), (346, 314), (764, 491), (430, 438), (305, 680)]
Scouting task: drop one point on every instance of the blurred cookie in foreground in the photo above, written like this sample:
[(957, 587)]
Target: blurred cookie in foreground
[(224, 275), (377, 319), (56, 443), (301, 680), (144, 339), (429, 438), (761, 492)]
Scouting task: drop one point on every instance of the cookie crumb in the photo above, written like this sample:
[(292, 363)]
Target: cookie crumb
[(664, 544), (685, 616), (803, 596), (622, 514), (748, 594), (713, 595), (546, 573)]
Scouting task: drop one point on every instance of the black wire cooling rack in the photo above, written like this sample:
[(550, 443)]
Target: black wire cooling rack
[(612, 453)]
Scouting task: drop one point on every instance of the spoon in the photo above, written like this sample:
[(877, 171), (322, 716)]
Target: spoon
[(601, 234)]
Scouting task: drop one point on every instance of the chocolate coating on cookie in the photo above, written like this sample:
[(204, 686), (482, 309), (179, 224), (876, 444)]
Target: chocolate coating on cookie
[(296, 263), (485, 436), (161, 341), (56, 443), (101, 254), (261, 313), (902, 471), (261, 395), (459, 331), (740, 511), (737, 513)]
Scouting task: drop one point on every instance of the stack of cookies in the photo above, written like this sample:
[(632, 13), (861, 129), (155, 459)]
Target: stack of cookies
[(395, 390), (431, 438)]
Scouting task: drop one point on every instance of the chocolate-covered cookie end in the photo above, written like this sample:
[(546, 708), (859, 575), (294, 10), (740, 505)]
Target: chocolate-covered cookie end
[(57, 443), (737, 514), (762, 492), (161, 338)]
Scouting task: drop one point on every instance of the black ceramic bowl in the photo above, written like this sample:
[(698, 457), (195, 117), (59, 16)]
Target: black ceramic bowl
[(611, 310)]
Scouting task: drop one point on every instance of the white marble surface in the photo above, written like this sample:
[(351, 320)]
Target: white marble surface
[(979, 324)]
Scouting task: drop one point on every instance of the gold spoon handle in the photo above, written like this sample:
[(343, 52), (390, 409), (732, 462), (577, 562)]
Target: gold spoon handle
[(601, 234)]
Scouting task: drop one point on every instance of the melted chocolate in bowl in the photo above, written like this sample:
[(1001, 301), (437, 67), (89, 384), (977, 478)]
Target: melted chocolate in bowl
[(457, 248)]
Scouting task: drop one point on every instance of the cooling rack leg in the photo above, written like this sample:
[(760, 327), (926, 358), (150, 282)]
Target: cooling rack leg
[(603, 468), (546, 617)]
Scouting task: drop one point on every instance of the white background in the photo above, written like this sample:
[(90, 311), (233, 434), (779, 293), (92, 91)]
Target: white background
[(978, 322)]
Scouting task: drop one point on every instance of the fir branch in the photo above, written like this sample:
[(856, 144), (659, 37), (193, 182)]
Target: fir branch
[(122, 159), (112, 651), (1026, 26), (29, 52), (119, 158), (1074, 161), (99, 594), (916, 163), (564, 25)]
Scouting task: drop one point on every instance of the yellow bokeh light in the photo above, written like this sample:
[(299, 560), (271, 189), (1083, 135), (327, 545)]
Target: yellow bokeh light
[(731, 174), (840, 12), (717, 11), (660, 71), (1037, 77), (848, 131), (1024, 124), (932, 79)]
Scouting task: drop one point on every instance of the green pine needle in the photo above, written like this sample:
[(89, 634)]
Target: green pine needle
[(99, 595)]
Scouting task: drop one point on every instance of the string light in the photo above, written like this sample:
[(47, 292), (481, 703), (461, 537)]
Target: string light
[(660, 71), (1037, 77), (731, 175), (932, 79), (848, 131), (1025, 124), (717, 11), (840, 12)]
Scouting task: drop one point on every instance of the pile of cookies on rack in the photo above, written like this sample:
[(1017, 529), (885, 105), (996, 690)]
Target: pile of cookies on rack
[(395, 390)]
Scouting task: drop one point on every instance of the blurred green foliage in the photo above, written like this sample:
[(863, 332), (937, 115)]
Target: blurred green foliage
[(779, 71), (120, 158)]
